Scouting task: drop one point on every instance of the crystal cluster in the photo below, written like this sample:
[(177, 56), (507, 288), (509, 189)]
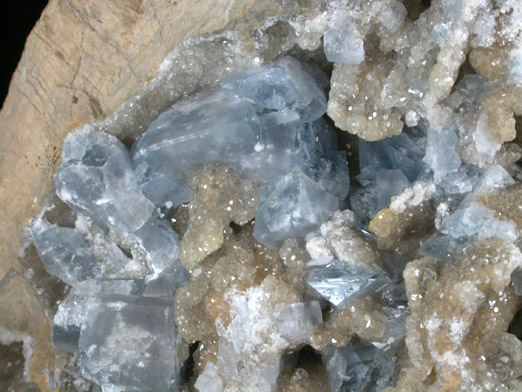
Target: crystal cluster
[(267, 125), (288, 275)]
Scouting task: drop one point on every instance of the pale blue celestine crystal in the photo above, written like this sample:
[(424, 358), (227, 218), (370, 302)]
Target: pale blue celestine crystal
[(389, 183), (284, 146), (340, 283), (297, 322), (130, 343), (441, 156), (96, 179), (216, 127), (65, 253), (282, 91), (387, 167), (298, 203), (264, 122), (358, 368), (72, 311)]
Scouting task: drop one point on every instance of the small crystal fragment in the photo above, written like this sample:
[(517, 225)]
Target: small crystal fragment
[(358, 368), (296, 322), (440, 152), (343, 46), (340, 283)]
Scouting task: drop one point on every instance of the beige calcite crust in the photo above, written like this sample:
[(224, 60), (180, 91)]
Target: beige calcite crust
[(460, 312), (506, 202), (221, 197), (364, 318), (338, 239), (241, 272), (410, 217), (411, 72)]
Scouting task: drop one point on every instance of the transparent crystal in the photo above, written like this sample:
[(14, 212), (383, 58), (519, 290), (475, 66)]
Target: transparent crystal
[(298, 203), (403, 152), (96, 179), (296, 322), (340, 283), (285, 146), (389, 183), (72, 311), (440, 152), (283, 91), (130, 343), (215, 127), (65, 253)]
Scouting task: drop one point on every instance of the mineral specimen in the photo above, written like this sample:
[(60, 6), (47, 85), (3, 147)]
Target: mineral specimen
[(289, 276)]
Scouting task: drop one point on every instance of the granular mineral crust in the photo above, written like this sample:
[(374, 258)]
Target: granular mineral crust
[(461, 311)]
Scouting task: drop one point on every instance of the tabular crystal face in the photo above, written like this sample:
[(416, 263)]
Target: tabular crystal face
[(65, 253), (291, 207), (403, 152), (218, 127), (130, 343), (285, 146)]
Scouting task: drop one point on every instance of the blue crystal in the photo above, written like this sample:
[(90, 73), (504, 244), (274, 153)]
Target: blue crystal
[(440, 152), (363, 202), (285, 146), (330, 171), (296, 204), (283, 91), (389, 183), (72, 311), (443, 247), (340, 283), (217, 127), (467, 221), (395, 306), (65, 253), (159, 243), (358, 368), (462, 181), (403, 152), (130, 343), (96, 179)]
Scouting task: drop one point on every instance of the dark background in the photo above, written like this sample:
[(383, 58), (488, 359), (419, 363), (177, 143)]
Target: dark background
[(17, 19)]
